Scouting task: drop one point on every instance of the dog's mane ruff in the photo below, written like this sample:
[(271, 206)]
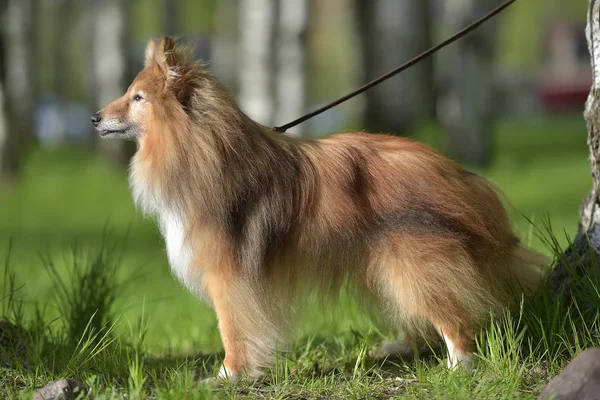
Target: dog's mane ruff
[(217, 167)]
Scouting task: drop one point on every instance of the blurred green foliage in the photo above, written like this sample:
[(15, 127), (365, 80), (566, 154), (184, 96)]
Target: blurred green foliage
[(194, 17), (522, 29)]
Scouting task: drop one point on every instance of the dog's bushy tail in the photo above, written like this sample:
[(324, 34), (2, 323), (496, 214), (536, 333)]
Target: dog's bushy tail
[(521, 267), (528, 268)]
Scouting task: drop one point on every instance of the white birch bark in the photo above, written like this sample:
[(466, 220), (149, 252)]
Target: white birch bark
[(256, 87), (225, 51), (5, 172), (109, 51), (589, 209), (580, 259), (171, 17), (291, 62), (109, 62), (65, 28), (19, 57)]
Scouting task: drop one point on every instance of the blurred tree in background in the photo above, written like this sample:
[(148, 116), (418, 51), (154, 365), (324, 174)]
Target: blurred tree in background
[(468, 109), (272, 62), (256, 72), (64, 59), (110, 44), (171, 17), (392, 32), (290, 44), (18, 89)]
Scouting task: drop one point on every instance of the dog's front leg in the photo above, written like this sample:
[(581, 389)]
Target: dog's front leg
[(221, 297)]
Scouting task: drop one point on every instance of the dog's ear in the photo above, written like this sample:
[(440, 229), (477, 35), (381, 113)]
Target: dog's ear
[(164, 54), (167, 60), (150, 53)]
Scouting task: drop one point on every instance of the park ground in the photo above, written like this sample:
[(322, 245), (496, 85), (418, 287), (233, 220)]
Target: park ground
[(103, 308)]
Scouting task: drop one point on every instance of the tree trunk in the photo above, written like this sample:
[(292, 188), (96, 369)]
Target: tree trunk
[(467, 108), (8, 146), (392, 32), (62, 47), (19, 85), (580, 260), (109, 46), (256, 66), (291, 62), (171, 17), (225, 50), (8, 172)]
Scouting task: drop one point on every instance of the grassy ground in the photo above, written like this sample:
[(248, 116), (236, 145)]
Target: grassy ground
[(151, 338)]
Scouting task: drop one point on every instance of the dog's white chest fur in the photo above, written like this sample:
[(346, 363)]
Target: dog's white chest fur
[(171, 225), (178, 250)]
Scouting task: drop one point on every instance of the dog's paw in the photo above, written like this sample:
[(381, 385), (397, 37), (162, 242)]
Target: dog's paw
[(227, 375), (463, 361), (224, 376)]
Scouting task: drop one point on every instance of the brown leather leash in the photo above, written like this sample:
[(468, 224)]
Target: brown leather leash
[(401, 68)]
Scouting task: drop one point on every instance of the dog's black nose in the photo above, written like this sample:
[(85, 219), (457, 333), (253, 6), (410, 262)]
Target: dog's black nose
[(96, 118)]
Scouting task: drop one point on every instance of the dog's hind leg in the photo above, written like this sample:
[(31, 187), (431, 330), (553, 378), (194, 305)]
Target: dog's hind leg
[(453, 330), (459, 344), (434, 283)]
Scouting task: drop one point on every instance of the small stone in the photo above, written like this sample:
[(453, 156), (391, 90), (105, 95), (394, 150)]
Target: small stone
[(579, 380), (64, 389)]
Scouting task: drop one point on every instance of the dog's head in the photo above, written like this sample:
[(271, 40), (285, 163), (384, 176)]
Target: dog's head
[(156, 89)]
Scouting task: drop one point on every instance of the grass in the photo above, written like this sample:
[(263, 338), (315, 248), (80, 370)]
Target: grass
[(99, 305)]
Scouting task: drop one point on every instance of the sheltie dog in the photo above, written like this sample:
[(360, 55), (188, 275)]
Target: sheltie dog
[(254, 220)]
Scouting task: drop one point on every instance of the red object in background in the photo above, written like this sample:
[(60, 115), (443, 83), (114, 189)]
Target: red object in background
[(566, 74), (563, 97)]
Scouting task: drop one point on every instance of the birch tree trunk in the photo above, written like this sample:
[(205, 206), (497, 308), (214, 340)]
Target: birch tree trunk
[(581, 259), (19, 85), (225, 52), (256, 66), (171, 17), (271, 81), (291, 62), (62, 46), (467, 108), (392, 32), (8, 172), (109, 63)]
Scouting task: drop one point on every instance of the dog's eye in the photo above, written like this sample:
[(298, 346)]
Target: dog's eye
[(137, 97)]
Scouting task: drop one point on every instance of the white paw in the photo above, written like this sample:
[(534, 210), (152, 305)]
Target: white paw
[(224, 375), (227, 375), (457, 357), (463, 360)]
